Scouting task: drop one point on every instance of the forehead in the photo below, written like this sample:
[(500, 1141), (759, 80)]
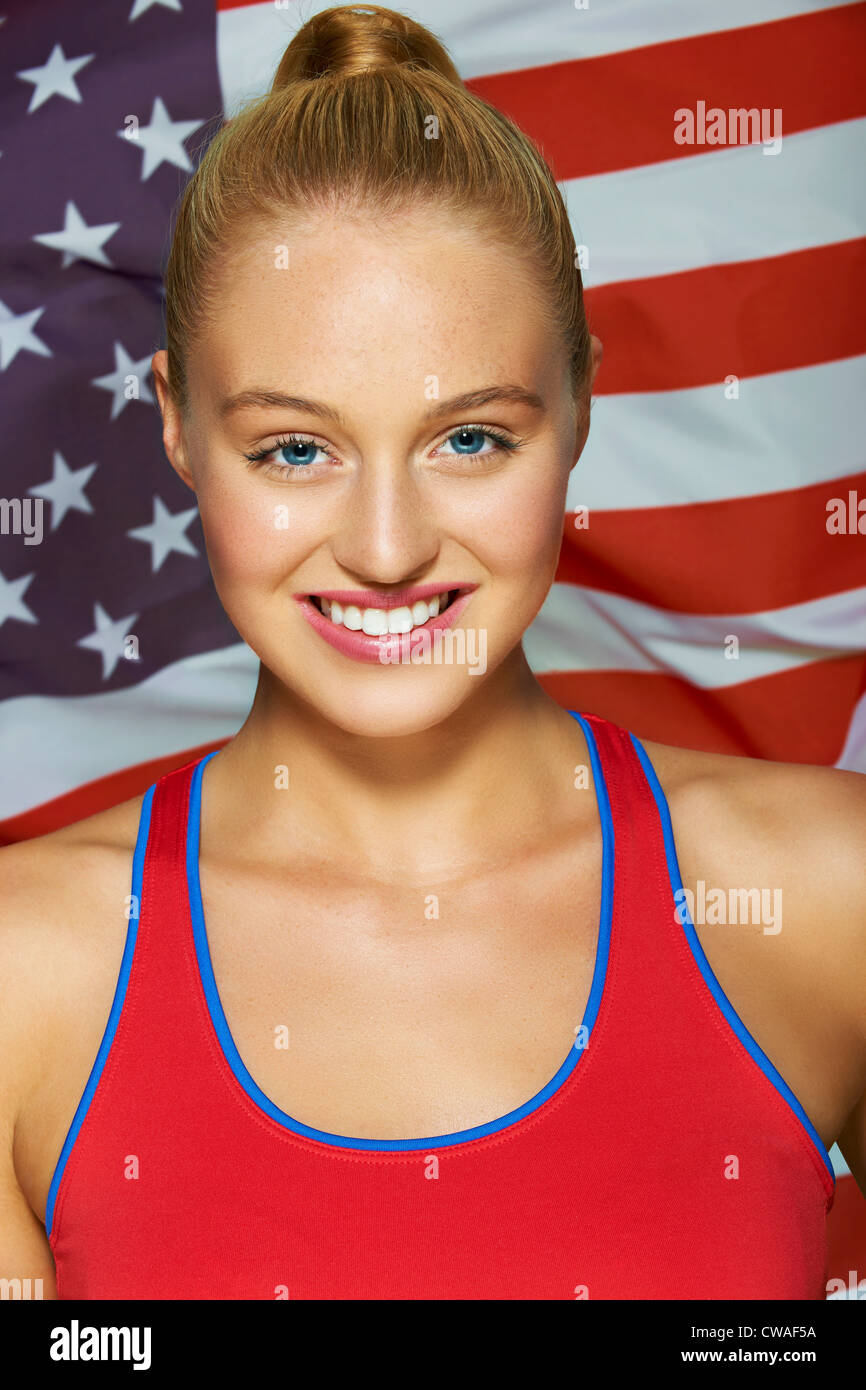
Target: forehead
[(343, 303)]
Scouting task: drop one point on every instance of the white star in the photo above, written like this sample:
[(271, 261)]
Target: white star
[(55, 79), (107, 638), (65, 491), (141, 6), (16, 335), (127, 381), (166, 533), (77, 241), (161, 140), (12, 604)]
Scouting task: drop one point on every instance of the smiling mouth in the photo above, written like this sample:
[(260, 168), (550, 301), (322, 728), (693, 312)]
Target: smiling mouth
[(379, 622)]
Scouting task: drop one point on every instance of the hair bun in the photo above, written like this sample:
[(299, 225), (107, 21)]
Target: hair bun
[(350, 39)]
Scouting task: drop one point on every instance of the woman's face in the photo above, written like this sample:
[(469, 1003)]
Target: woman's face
[(373, 335)]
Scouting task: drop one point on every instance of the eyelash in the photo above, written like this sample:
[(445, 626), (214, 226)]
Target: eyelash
[(260, 456)]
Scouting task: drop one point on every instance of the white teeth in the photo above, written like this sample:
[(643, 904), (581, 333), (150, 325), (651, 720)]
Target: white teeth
[(400, 620), (377, 622)]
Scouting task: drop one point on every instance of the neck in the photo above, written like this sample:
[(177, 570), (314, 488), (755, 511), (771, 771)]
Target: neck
[(495, 771)]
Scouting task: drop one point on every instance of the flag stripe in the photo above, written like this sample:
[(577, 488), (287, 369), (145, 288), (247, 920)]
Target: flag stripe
[(772, 718), (77, 739), (737, 555), (785, 430), (566, 107), (92, 797), (853, 755), (588, 629), (738, 206), (846, 1232), (675, 331)]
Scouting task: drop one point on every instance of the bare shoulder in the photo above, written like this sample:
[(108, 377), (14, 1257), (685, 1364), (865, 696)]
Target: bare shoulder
[(63, 923), (794, 829), (783, 788), (807, 822)]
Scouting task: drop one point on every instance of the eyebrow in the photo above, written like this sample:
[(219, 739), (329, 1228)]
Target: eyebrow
[(469, 400)]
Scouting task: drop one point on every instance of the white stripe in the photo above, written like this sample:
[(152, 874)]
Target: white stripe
[(714, 208), (50, 745), (853, 755), (581, 629), (250, 44), (494, 36), (840, 1167), (786, 430)]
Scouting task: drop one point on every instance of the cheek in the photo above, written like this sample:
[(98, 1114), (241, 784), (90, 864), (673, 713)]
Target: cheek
[(252, 534), (515, 527)]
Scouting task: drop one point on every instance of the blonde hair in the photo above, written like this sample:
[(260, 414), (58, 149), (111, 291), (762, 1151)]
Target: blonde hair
[(348, 120)]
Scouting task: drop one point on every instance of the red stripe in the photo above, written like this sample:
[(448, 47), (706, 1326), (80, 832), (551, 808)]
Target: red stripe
[(846, 1232), (697, 327), (594, 115), (740, 555), (95, 796), (798, 716)]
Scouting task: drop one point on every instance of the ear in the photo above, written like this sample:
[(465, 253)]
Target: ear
[(597, 354), (172, 419)]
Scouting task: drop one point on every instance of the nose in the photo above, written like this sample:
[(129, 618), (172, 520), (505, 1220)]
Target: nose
[(388, 531)]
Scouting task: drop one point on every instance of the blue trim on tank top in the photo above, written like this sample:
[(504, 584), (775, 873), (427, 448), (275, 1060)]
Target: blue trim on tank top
[(724, 1003), (463, 1136), (114, 1013)]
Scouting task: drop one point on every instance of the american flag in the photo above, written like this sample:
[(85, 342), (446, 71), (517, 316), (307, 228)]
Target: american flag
[(711, 590)]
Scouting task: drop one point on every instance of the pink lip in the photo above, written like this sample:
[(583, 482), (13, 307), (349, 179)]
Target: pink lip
[(403, 598), (395, 645)]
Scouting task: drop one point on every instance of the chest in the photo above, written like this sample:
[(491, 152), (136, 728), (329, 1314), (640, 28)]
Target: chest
[(400, 1009)]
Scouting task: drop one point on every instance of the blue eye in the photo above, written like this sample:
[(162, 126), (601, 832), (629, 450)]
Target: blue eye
[(470, 445), (466, 441), (294, 448)]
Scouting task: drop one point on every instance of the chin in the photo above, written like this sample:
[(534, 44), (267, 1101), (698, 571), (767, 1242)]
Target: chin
[(391, 703)]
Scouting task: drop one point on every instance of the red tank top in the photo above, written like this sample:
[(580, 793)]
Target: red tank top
[(667, 1158)]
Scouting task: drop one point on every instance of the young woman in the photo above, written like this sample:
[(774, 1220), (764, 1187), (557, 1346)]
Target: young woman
[(405, 1000)]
